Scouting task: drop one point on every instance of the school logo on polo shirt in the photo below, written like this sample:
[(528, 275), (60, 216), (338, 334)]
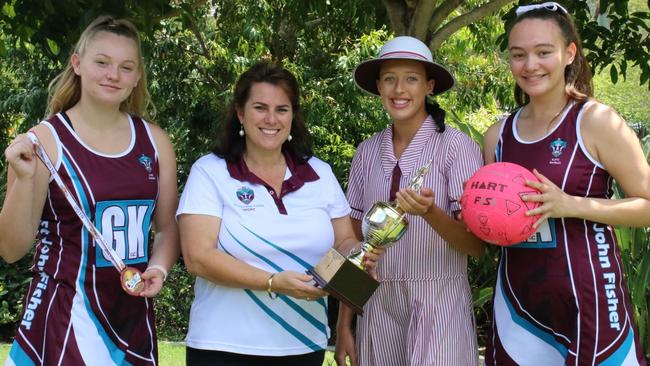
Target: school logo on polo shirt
[(245, 195)]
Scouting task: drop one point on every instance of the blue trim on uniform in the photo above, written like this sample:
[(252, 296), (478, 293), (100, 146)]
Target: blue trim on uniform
[(315, 322), (310, 318), (263, 258), (305, 265), (530, 327), (497, 150), (539, 239), (302, 262), (18, 355), (293, 331), (617, 357), (117, 355)]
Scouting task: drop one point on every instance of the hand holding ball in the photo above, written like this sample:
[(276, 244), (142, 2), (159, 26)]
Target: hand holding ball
[(492, 207)]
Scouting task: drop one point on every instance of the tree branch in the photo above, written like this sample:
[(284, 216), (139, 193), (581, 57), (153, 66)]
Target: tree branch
[(441, 13), (423, 12), (208, 78), (455, 24), (396, 10), (199, 37)]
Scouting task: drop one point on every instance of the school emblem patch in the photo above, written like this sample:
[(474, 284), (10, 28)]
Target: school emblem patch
[(146, 162), (557, 147), (245, 195)]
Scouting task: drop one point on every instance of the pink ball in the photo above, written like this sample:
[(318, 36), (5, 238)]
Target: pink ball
[(492, 207)]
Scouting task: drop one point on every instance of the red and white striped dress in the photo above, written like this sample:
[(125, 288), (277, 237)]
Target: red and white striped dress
[(422, 312)]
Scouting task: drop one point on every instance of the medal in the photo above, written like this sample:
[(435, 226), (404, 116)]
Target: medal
[(130, 278)]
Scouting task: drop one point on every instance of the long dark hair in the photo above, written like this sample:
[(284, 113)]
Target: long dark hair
[(577, 75), (438, 114), (230, 146)]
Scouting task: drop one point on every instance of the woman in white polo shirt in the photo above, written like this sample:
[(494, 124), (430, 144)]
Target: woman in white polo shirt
[(254, 216), (422, 312)]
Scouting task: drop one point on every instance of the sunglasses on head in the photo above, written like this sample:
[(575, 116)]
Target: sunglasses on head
[(550, 6)]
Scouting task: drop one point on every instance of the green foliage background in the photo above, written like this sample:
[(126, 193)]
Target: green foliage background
[(195, 55)]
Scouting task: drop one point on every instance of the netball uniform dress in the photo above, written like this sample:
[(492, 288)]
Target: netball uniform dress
[(560, 297), (76, 312), (275, 231), (421, 314)]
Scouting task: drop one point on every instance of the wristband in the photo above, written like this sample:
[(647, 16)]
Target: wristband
[(269, 290), (160, 268)]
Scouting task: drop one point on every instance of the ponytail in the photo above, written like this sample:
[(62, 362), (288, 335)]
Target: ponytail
[(438, 114)]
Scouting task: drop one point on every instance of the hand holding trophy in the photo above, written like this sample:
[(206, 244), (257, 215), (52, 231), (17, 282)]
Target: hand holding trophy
[(382, 226)]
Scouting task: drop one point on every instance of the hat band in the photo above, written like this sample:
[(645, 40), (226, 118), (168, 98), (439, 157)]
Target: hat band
[(406, 53)]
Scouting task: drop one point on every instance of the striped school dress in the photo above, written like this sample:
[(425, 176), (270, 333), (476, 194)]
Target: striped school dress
[(422, 312)]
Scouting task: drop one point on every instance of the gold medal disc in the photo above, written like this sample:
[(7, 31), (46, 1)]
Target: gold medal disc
[(131, 280)]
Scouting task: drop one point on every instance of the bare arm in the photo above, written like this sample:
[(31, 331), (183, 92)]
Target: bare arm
[(27, 182), (610, 141), (344, 238), (345, 346), (490, 139), (166, 241)]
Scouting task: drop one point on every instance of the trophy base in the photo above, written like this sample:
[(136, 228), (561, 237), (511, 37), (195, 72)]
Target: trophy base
[(345, 281)]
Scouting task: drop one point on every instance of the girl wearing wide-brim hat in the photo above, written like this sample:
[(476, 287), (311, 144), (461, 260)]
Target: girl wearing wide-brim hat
[(422, 312)]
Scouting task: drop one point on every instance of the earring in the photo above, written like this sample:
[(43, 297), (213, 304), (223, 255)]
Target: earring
[(289, 138), (241, 131)]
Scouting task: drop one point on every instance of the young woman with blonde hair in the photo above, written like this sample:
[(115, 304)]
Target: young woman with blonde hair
[(121, 172)]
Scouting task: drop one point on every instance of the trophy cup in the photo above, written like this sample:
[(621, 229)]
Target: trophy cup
[(382, 226)]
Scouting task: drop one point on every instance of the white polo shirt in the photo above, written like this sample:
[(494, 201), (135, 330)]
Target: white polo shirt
[(289, 231)]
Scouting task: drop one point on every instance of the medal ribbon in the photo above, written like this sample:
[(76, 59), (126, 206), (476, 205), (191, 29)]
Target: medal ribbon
[(112, 256)]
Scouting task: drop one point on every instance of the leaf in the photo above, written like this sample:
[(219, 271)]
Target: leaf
[(624, 237), (53, 46), (482, 296), (639, 283), (613, 74), (8, 10)]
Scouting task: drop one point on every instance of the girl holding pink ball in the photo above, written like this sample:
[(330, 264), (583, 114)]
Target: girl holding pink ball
[(560, 296)]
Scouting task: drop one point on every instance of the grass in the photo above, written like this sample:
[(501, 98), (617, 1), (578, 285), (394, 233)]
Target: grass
[(626, 96), (169, 354), (4, 351)]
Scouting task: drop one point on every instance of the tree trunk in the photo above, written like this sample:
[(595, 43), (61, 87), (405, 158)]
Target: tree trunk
[(428, 20)]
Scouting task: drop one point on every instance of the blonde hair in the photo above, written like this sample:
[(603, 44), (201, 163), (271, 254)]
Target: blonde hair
[(64, 90)]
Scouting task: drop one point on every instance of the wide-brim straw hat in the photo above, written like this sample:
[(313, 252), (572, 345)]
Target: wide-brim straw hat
[(366, 73)]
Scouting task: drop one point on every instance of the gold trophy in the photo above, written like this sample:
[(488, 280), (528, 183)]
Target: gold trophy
[(382, 226)]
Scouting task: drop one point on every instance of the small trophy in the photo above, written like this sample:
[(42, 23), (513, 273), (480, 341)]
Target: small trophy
[(382, 226)]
